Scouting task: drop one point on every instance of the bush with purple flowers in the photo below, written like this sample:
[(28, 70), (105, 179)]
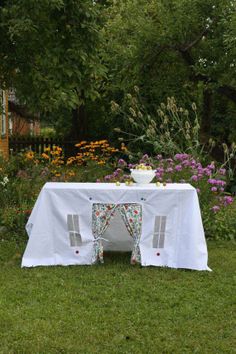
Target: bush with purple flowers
[(209, 180)]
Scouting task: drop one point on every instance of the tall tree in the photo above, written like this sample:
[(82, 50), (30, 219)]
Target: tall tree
[(175, 47), (49, 53)]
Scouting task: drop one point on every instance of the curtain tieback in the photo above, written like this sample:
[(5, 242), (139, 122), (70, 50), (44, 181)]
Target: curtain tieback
[(100, 238)]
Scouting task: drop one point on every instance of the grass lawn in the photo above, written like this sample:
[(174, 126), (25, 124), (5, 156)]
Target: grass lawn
[(117, 308)]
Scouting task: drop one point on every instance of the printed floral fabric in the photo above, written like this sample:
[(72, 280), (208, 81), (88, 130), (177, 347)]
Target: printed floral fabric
[(101, 216), (132, 217)]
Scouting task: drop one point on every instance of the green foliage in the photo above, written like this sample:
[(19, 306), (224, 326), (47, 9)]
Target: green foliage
[(221, 225), (169, 129), (175, 48), (49, 52)]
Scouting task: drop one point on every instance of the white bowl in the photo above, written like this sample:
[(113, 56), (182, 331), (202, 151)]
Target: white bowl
[(142, 176)]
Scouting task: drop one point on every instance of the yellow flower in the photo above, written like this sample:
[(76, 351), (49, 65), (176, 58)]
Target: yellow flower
[(29, 155), (45, 156)]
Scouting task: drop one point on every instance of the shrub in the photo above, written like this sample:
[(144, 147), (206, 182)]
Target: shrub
[(210, 182)]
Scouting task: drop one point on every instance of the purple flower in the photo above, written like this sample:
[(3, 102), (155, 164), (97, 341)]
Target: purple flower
[(213, 189), (169, 169), (228, 200), (181, 156), (207, 171), (200, 170), (198, 190), (194, 178), (145, 157), (186, 163), (178, 168), (211, 181), (108, 177), (122, 163), (215, 208), (159, 157), (222, 171), (211, 166)]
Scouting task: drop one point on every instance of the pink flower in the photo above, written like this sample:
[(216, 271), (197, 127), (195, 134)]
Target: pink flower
[(122, 162), (178, 168), (213, 189), (194, 178), (222, 171), (215, 208)]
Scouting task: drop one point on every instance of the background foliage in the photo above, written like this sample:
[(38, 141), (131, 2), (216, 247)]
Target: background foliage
[(68, 59)]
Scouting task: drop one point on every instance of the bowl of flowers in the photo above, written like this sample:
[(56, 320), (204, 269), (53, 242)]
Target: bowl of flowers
[(142, 174)]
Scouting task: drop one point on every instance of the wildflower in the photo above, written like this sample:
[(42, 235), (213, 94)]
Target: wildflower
[(194, 178), (29, 155), (45, 156), (178, 168), (227, 200), (4, 181), (215, 208), (222, 171), (214, 189), (122, 163)]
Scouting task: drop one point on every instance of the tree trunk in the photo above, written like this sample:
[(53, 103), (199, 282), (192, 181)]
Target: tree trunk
[(79, 124), (206, 115)]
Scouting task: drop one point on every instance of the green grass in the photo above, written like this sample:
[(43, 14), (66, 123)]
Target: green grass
[(117, 308)]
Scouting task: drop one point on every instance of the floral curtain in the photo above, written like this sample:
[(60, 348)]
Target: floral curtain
[(132, 217), (101, 216)]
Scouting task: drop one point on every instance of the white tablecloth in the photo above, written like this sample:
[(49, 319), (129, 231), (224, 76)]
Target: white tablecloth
[(171, 213)]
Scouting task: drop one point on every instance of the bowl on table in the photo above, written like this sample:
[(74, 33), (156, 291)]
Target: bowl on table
[(141, 176)]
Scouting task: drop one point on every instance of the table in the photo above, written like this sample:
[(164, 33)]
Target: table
[(71, 223)]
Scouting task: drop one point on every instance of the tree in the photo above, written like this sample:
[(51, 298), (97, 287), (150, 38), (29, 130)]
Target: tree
[(49, 53), (176, 47)]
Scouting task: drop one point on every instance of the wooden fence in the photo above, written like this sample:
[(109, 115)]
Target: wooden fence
[(38, 144)]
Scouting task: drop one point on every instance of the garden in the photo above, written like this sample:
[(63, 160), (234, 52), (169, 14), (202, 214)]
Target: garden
[(128, 86), (115, 308)]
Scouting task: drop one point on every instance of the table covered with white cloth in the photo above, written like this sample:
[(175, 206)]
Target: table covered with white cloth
[(72, 223)]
